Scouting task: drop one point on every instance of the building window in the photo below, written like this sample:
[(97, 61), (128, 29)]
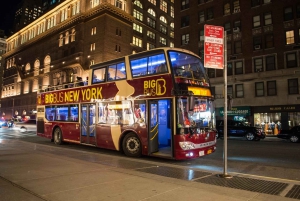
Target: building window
[(229, 69), (230, 90), (211, 73), (163, 29), (288, 14), (237, 25), (138, 4), (258, 64), (227, 9), (201, 35), (229, 48), (257, 43), (136, 41), (289, 36), (255, 3), (151, 12), (73, 35), (185, 39), (293, 86), (172, 11), (236, 6), (163, 19), (237, 47), (150, 46), (137, 28), (238, 67), (269, 41), (268, 18), (185, 4), (291, 60), (93, 47), (185, 21), (172, 34), (298, 11), (61, 40), (256, 21), (163, 41), (172, 44), (138, 15), (151, 35), (210, 14), (67, 38), (151, 22), (259, 89), (201, 17), (270, 63), (152, 1), (239, 90), (271, 88), (93, 31), (227, 28), (163, 6)]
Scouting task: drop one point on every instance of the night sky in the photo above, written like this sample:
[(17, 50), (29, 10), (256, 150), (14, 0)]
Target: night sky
[(7, 12)]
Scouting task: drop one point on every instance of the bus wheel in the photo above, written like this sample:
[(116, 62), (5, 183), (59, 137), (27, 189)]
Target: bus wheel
[(57, 136), (132, 145)]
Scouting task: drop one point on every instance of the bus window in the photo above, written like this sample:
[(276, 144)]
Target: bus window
[(98, 75), (148, 65), (73, 113), (116, 72), (50, 113), (62, 112)]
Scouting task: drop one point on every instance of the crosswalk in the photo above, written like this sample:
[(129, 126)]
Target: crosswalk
[(12, 134)]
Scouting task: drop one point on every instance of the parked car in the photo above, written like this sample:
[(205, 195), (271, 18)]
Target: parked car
[(29, 125), (293, 134), (239, 129)]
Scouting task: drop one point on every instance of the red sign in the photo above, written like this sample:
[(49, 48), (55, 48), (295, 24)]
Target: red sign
[(213, 46)]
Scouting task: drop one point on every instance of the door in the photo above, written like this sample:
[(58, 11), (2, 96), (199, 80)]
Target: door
[(153, 127), (88, 123)]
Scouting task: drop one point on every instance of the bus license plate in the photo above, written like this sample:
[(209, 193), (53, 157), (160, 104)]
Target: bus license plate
[(201, 153)]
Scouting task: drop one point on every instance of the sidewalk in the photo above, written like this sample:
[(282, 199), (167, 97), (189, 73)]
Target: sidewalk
[(30, 172)]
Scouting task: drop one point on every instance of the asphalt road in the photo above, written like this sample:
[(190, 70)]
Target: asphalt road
[(271, 157)]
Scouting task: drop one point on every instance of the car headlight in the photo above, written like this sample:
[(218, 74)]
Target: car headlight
[(187, 145)]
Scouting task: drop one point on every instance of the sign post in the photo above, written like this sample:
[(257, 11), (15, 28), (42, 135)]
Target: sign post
[(215, 56)]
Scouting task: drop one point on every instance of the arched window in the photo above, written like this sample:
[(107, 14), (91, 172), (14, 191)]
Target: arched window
[(163, 19), (27, 67), (138, 4), (47, 60), (151, 12), (67, 38), (73, 35), (61, 40)]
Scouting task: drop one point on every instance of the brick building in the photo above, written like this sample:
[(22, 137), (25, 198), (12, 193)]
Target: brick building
[(61, 44), (262, 56)]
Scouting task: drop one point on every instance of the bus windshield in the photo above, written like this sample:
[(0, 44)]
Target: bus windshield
[(187, 66), (199, 116)]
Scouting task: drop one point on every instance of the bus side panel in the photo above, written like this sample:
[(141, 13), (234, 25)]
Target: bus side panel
[(70, 131), (104, 137)]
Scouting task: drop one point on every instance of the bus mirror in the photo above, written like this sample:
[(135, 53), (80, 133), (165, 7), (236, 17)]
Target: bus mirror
[(191, 102)]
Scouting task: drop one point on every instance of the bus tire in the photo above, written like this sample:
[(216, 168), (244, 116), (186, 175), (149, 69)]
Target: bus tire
[(132, 145), (57, 135)]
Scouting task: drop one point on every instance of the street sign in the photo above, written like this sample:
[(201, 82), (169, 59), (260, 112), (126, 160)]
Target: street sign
[(213, 46)]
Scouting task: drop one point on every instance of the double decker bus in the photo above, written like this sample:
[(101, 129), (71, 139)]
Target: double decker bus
[(157, 103)]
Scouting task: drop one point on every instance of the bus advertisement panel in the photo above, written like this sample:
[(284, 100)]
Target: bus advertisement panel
[(156, 103)]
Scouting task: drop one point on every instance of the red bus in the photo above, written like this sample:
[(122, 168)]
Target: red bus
[(157, 103)]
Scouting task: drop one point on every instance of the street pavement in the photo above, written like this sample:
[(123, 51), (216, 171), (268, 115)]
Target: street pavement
[(34, 172)]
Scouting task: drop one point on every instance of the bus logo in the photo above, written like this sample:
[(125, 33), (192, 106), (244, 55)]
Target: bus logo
[(155, 87)]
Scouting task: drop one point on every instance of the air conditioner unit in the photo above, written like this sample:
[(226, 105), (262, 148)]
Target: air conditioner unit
[(236, 29), (257, 47)]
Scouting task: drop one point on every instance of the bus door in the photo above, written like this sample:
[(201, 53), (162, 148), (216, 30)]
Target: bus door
[(88, 122), (153, 127)]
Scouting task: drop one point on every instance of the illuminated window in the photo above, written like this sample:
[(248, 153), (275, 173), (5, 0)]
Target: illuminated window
[(289, 35), (136, 41), (93, 47), (138, 4), (164, 6)]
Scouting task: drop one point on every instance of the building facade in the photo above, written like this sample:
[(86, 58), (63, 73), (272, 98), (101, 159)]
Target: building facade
[(263, 65), (58, 48)]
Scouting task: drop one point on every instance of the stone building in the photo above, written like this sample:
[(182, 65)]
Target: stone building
[(263, 62), (61, 44)]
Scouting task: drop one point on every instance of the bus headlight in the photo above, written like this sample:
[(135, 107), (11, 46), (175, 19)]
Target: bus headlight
[(187, 145)]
